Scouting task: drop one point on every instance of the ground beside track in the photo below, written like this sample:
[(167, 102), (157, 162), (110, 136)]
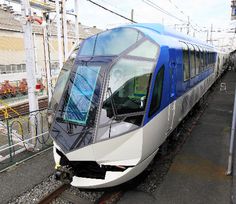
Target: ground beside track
[(25, 176), (197, 174)]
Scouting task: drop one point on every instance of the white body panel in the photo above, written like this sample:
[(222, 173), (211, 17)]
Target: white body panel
[(136, 148)]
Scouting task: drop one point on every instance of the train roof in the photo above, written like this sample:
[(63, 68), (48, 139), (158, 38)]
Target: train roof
[(163, 30)]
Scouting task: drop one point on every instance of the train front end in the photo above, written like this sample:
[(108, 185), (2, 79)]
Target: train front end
[(97, 110)]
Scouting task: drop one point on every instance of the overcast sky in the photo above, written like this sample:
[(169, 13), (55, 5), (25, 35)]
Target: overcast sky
[(202, 13)]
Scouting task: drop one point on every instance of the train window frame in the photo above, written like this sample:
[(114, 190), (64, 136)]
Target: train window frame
[(207, 59), (140, 36), (192, 58), (185, 49), (139, 54), (198, 59), (155, 109), (201, 60)]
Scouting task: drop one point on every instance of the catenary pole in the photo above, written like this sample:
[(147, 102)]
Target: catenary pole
[(77, 20), (58, 19), (30, 59), (64, 28)]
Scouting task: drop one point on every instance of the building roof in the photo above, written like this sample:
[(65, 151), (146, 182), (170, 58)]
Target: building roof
[(10, 22)]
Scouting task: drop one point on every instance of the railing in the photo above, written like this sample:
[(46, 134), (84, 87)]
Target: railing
[(16, 140)]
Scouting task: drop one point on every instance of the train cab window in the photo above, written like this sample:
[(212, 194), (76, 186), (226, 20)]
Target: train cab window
[(125, 97), (61, 83), (157, 92), (88, 46), (186, 69), (128, 84), (146, 49), (192, 61), (115, 41), (81, 96)]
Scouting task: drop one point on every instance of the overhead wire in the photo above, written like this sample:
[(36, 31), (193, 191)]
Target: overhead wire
[(111, 11), (155, 6)]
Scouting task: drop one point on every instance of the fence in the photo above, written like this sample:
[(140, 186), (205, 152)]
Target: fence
[(16, 141)]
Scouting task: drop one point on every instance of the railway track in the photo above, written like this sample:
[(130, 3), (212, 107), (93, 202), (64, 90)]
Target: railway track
[(61, 193), (22, 108)]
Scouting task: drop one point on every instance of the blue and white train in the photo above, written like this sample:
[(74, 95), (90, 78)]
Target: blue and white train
[(120, 95)]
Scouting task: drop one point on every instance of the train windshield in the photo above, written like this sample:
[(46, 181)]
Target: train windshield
[(103, 92), (127, 89), (111, 42), (81, 97), (61, 82)]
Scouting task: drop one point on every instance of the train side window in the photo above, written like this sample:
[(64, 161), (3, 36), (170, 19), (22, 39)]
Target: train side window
[(202, 60), (186, 62), (157, 92), (198, 58), (192, 61), (207, 59)]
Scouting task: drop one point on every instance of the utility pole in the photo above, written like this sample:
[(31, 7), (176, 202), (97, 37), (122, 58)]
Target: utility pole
[(47, 57), (207, 36), (64, 26), (60, 51), (30, 60), (132, 15), (211, 40), (77, 21), (188, 28)]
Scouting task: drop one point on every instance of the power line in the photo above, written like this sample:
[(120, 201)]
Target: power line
[(154, 5), (99, 5)]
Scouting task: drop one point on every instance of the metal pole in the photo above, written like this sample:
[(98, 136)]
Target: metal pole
[(77, 20), (36, 61), (207, 36), (188, 26), (30, 59), (60, 51), (64, 23), (47, 60), (9, 139), (231, 148), (211, 40), (132, 14)]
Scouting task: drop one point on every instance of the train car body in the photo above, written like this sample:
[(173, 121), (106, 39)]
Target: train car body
[(120, 96)]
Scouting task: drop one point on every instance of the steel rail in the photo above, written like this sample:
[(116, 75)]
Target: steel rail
[(54, 194)]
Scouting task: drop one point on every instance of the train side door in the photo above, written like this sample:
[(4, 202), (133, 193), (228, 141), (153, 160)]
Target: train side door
[(172, 88)]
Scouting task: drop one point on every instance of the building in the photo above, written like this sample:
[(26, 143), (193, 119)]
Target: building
[(12, 58)]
